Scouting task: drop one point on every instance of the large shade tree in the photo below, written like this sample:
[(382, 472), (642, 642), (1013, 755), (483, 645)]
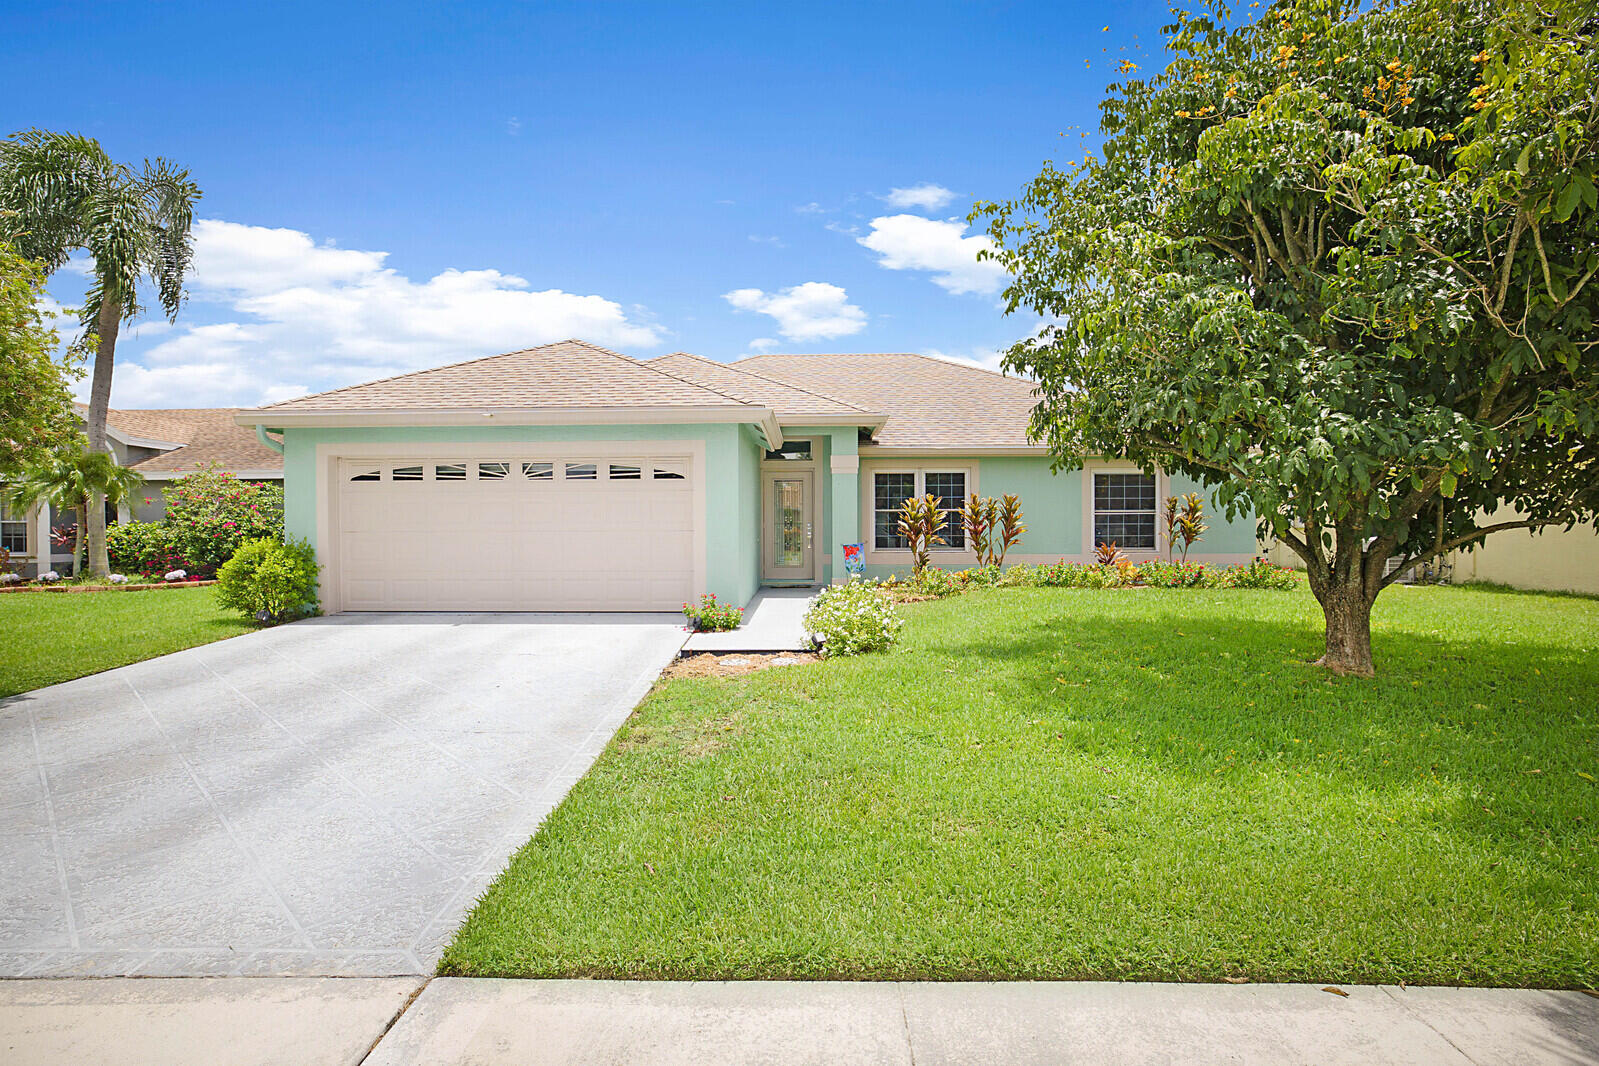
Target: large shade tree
[(1338, 261), (60, 193)]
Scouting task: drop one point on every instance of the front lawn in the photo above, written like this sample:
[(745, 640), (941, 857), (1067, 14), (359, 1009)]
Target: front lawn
[(49, 637), (1047, 783)]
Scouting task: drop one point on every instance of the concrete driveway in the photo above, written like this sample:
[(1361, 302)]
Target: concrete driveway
[(328, 797)]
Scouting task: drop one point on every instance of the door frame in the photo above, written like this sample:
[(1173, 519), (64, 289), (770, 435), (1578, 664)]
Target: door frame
[(806, 475)]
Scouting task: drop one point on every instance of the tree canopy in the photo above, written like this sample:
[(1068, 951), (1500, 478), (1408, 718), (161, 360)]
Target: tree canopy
[(1339, 262), (35, 376)]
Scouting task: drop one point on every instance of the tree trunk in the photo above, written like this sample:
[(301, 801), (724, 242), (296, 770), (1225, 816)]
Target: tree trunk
[(77, 538), (106, 327), (1347, 610)]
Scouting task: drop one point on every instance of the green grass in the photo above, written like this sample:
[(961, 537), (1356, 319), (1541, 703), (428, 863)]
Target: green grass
[(51, 637), (1067, 784)]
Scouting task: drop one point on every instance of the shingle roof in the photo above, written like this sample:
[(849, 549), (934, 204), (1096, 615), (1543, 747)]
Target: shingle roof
[(751, 387), (930, 403), (206, 435), (566, 374)]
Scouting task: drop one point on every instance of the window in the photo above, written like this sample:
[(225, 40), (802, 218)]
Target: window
[(581, 472), (791, 451), (950, 488), (625, 472), (493, 471), (670, 471), (888, 492), (449, 472), (538, 471), (408, 473), (13, 531), (367, 475), (1124, 511)]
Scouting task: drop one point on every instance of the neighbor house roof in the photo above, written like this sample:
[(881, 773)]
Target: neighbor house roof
[(202, 436), (788, 400), (931, 403), (567, 374)]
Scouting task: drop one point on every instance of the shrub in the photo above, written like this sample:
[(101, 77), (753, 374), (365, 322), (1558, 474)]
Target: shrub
[(921, 520), (853, 618), (1178, 575), (269, 580), (143, 548), (711, 616), (211, 513), (1259, 574)]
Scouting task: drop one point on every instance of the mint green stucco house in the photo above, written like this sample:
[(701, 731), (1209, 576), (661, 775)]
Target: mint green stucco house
[(571, 477)]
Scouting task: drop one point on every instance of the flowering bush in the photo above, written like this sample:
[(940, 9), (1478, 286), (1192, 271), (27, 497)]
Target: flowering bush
[(853, 618), (211, 513), (1259, 574), (270, 581), (711, 616), (143, 548)]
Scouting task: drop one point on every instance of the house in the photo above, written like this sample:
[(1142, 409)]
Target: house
[(161, 445), (572, 477)]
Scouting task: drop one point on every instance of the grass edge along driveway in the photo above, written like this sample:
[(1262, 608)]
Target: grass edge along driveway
[(51, 637), (1065, 784)]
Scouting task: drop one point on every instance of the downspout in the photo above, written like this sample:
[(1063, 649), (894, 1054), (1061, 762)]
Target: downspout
[(275, 443)]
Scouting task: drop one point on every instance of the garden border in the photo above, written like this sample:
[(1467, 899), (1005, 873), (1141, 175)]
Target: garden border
[(186, 584)]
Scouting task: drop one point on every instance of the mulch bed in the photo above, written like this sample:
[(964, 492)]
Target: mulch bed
[(194, 583), (733, 664)]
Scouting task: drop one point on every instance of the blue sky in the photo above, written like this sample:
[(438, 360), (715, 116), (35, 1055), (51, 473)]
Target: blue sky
[(394, 187)]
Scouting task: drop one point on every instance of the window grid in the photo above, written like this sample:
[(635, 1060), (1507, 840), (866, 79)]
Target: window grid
[(581, 472), (950, 488), (13, 532), (1124, 511), (889, 491)]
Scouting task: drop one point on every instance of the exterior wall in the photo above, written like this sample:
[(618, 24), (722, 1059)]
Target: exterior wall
[(1551, 560), (1057, 510), (1554, 559), (730, 479)]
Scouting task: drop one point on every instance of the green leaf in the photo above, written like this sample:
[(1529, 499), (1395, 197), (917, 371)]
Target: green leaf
[(1567, 201), (1447, 484)]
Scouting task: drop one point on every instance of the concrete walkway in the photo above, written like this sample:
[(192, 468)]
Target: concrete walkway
[(773, 621), (242, 1022), (321, 799)]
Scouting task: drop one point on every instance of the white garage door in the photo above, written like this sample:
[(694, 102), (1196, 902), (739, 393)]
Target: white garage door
[(515, 533)]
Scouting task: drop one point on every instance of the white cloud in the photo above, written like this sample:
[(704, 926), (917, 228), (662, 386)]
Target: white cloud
[(910, 242), (774, 241), (804, 312), (302, 316), (762, 344), (986, 358), (812, 208), (927, 196)]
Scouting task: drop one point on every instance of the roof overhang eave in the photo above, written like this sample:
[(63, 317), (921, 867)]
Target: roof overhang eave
[(276, 419), (871, 421), (891, 450)]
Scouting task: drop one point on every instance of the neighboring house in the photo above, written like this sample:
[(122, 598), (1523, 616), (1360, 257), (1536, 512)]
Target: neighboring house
[(161, 445), (571, 477)]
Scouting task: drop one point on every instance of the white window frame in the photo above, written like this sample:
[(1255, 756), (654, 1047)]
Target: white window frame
[(1162, 490), (8, 519), (919, 470)]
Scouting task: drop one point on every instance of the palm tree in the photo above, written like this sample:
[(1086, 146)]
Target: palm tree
[(60, 193), (74, 478)]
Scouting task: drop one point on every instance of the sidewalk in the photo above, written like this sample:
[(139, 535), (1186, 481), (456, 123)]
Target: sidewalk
[(226, 1021), (773, 621)]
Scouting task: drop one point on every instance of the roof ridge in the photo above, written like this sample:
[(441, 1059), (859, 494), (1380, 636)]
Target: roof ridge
[(772, 381), (645, 363), (429, 370), (876, 355)]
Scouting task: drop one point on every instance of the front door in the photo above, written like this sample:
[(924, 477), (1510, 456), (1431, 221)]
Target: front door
[(787, 502)]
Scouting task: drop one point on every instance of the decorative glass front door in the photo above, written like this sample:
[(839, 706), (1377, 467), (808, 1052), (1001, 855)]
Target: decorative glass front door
[(788, 536)]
